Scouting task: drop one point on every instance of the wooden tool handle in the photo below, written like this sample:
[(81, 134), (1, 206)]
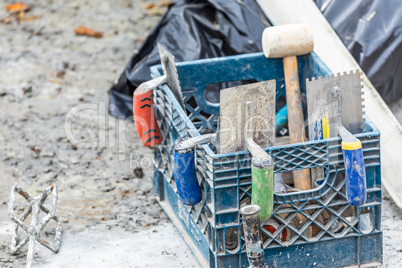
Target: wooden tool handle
[(295, 117), (144, 117), (301, 179)]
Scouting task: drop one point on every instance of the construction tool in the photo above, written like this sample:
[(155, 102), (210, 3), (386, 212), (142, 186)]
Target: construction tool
[(143, 100), (33, 231), (287, 42), (355, 170), (337, 102), (320, 102), (185, 174), (262, 171), (252, 235), (247, 122)]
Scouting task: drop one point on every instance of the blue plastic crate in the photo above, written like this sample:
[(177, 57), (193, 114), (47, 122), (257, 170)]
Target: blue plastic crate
[(226, 178)]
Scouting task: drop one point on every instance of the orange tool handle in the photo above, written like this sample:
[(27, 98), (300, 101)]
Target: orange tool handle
[(297, 134), (144, 117)]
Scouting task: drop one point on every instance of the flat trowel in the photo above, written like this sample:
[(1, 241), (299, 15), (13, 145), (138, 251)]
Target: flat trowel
[(247, 122)]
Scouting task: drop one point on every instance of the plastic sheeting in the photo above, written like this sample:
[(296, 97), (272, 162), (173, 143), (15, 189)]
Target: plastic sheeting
[(192, 30), (372, 31)]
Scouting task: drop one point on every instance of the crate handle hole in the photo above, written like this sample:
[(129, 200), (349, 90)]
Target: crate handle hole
[(232, 239)]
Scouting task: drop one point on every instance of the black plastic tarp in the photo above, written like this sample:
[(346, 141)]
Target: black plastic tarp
[(192, 30), (372, 31)]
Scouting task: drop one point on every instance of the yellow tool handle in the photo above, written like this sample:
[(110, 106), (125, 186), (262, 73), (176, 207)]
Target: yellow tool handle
[(325, 127)]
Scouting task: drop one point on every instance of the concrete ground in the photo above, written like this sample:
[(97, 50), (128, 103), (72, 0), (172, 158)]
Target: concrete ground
[(54, 128)]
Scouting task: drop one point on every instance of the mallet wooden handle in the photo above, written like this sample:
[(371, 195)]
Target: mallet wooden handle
[(297, 134), (287, 42)]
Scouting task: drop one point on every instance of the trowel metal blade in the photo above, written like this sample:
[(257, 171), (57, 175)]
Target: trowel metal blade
[(233, 117), (169, 69), (321, 103)]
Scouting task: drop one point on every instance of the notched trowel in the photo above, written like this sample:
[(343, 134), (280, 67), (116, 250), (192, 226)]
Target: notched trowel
[(321, 111), (335, 107), (143, 100)]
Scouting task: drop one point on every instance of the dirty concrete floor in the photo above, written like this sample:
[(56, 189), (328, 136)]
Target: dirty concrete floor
[(110, 217), (53, 90)]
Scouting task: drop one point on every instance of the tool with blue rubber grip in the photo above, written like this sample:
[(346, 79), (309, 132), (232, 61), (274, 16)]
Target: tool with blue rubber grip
[(185, 174), (336, 102), (355, 171)]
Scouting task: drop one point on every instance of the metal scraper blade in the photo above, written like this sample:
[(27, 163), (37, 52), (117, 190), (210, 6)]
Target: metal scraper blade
[(169, 69), (233, 117), (321, 103)]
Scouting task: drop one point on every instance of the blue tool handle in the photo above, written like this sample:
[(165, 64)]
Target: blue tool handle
[(186, 179), (281, 118), (355, 172)]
